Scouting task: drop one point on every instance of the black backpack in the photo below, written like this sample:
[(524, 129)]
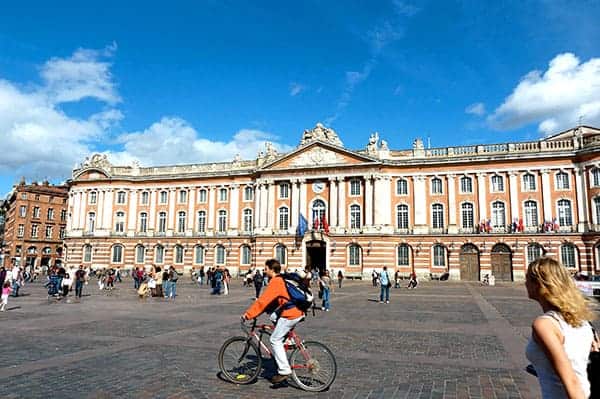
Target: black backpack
[(258, 278), (299, 293)]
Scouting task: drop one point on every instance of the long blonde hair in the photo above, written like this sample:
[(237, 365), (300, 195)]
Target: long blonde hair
[(555, 286)]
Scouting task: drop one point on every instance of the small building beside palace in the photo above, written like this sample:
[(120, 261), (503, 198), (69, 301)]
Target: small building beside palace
[(35, 221), (467, 210)]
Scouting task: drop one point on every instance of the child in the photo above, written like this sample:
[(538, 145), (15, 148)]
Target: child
[(5, 293)]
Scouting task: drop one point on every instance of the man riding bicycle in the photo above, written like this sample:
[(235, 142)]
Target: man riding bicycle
[(276, 299)]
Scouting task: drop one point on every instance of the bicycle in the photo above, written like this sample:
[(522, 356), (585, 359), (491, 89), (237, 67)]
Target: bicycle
[(313, 365)]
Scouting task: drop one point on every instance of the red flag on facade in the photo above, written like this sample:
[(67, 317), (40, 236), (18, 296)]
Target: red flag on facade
[(316, 223), (521, 227), (325, 225)]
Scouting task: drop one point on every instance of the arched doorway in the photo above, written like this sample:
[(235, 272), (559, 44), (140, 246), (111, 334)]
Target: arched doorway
[(469, 263), (502, 262), (316, 255)]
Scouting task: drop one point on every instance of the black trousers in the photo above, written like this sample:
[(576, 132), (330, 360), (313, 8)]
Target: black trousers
[(257, 287)]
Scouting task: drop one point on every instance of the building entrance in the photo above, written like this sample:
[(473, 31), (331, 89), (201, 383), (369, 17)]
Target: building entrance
[(316, 256)]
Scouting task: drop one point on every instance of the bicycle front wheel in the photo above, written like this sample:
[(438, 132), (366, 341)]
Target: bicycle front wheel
[(239, 360), (313, 367)]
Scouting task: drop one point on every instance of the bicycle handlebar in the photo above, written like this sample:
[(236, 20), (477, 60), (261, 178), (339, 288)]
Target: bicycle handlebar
[(245, 327)]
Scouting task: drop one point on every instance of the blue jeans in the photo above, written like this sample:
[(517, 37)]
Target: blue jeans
[(326, 298), (217, 289), (384, 289), (15, 287), (78, 288), (173, 285), (167, 288)]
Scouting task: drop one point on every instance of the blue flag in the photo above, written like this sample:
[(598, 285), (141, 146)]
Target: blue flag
[(302, 226)]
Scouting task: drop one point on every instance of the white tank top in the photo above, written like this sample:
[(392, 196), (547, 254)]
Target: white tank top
[(578, 341)]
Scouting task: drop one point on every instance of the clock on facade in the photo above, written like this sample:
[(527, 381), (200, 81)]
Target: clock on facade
[(318, 187)]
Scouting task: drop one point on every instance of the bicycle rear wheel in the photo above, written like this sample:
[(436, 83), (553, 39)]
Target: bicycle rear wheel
[(239, 360), (313, 368)]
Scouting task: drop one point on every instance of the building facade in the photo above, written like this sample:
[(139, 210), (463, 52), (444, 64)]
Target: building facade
[(35, 224), (467, 210)]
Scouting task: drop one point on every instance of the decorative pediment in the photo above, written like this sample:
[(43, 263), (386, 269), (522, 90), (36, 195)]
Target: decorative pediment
[(317, 156)]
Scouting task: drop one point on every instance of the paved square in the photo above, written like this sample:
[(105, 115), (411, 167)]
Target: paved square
[(443, 340)]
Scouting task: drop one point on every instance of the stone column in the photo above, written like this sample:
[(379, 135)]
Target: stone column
[(210, 223), (171, 217), (294, 210), (152, 217), (100, 210), (383, 208), (76, 210), (514, 195), (303, 198), (69, 208), (341, 205), (108, 210), (264, 204), (271, 207), (546, 195), (257, 205), (191, 207), (482, 196), (582, 199), (368, 201), (452, 225), (132, 217), (420, 205), (333, 203), (234, 198)]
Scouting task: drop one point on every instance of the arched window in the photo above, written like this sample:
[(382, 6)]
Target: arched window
[(178, 255), (281, 253), (402, 187), (140, 254), (562, 181), (201, 221), (565, 216), (466, 184), (220, 255), (162, 222), (355, 216), (248, 193), (202, 195), (402, 216), (222, 221), (466, 211), (143, 222), (568, 255), (117, 254), (497, 184), (159, 254), (534, 251), (199, 254), (403, 255), (528, 182), (247, 220), (531, 213), (436, 186), (354, 258), (120, 222), (439, 255), (87, 253), (498, 214), (181, 222), (46, 251), (318, 211), (91, 222), (437, 216), (595, 177), (246, 255), (284, 218)]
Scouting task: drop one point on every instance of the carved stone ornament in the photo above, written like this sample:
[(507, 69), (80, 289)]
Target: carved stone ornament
[(97, 161), (322, 133), (317, 156)]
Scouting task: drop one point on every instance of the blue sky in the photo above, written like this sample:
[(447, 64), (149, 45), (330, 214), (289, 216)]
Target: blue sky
[(201, 81)]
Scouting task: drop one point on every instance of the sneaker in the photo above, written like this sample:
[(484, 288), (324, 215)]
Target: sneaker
[(387, 301), (278, 378), (380, 301), (327, 310)]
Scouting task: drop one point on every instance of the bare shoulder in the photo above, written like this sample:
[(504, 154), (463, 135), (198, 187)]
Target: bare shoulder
[(546, 328)]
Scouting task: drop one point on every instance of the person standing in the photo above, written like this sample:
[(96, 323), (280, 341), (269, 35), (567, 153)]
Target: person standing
[(66, 285), (79, 281), (386, 282), (325, 287), (173, 277), (340, 277), (561, 338), (374, 277), (2, 276), (166, 282), (226, 281), (134, 276), (201, 276), (17, 280), (258, 282), (4, 296)]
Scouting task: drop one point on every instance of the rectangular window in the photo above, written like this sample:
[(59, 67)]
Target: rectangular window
[(202, 195), (222, 195), (121, 197), (22, 211), (182, 196), (436, 186), (63, 215), (354, 255), (529, 182), (163, 197), (50, 214), (34, 230), (62, 232), (403, 255), (36, 212), (439, 256), (248, 194), (284, 190), (48, 231), (466, 185), (93, 197), (24, 196), (497, 184), (283, 219), (562, 181), (145, 198), (354, 188), (402, 187), (87, 254), (21, 231), (140, 253)]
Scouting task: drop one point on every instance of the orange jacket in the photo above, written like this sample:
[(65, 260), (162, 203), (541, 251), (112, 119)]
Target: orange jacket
[(276, 290)]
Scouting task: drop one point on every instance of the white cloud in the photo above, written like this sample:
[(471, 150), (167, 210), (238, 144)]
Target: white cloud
[(554, 99), (476, 109), (173, 140), (296, 88)]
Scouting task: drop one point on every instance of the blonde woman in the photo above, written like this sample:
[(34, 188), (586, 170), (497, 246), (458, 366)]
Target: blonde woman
[(561, 338)]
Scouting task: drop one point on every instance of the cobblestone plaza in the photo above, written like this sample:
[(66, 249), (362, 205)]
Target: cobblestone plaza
[(443, 340)]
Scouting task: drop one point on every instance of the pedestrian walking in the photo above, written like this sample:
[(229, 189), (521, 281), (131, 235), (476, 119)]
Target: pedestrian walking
[(79, 281), (166, 282), (201, 275), (397, 279), (258, 282), (226, 281), (173, 277), (66, 285), (134, 276), (374, 277), (340, 277), (562, 337), (413, 282), (386, 283), (218, 277), (2, 276), (325, 288), (5, 293), (17, 280)]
